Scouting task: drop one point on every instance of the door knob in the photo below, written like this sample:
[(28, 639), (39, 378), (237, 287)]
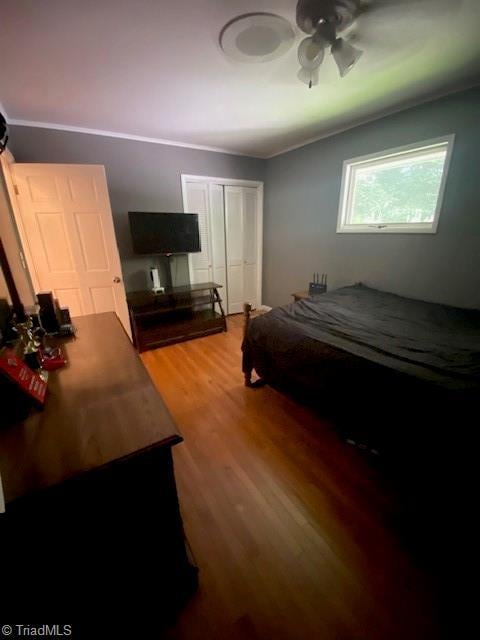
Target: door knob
[(117, 279)]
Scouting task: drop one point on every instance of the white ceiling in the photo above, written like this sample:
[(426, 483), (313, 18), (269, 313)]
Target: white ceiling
[(154, 68)]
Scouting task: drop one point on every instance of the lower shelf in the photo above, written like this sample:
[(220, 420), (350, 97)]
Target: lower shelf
[(151, 332)]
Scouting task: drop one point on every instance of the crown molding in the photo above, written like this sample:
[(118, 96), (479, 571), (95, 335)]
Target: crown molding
[(172, 143), (125, 136)]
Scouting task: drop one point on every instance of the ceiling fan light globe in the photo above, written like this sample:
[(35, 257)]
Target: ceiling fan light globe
[(310, 54), (346, 56), (308, 76)]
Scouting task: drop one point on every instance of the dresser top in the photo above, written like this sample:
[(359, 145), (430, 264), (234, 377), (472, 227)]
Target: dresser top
[(100, 408)]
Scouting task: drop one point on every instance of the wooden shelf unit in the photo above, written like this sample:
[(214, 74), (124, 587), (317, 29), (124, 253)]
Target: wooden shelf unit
[(179, 313)]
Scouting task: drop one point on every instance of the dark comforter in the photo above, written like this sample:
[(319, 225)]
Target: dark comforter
[(337, 332)]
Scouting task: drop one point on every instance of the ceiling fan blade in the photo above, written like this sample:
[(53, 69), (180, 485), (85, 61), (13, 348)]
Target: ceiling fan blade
[(413, 9), (388, 28), (382, 44), (399, 24)]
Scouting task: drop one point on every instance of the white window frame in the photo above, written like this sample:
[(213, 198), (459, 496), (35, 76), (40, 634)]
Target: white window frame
[(348, 184)]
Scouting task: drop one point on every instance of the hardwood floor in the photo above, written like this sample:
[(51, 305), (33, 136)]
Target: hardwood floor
[(288, 524)]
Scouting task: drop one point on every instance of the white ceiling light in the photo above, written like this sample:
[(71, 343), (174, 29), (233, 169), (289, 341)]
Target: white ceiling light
[(261, 37), (308, 77), (346, 56), (256, 37), (310, 54), (310, 57), (322, 19)]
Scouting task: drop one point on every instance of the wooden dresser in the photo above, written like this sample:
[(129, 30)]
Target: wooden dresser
[(92, 516)]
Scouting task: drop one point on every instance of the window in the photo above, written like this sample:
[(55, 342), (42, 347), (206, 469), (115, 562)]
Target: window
[(398, 191)]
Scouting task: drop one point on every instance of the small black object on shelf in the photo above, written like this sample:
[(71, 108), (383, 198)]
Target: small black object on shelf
[(318, 285), (48, 312)]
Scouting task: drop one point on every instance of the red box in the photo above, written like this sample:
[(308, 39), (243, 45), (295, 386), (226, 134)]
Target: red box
[(26, 380)]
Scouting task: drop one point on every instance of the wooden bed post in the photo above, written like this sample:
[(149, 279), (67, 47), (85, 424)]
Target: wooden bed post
[(247, 371), (247, 308), (246, 363)]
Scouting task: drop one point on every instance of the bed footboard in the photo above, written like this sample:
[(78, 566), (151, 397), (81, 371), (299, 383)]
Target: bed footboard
[(246, 365)]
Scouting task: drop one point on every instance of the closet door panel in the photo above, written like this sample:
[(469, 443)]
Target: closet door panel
[(234, 204), (229, 229), (197, 202), (250, 245), (250, 284), (217, 233)]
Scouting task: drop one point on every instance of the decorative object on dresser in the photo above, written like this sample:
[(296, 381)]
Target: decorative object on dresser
[(20, 388), (180, 313), (54, 319), (28, 342), (48, 313)]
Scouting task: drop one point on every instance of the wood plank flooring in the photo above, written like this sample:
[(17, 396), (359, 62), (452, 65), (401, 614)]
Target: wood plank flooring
[(287, 523)]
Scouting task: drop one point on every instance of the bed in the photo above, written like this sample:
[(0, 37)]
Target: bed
[(371, 359)]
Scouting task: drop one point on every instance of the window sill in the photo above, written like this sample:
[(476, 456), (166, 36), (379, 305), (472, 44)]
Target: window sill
[(387, 229)]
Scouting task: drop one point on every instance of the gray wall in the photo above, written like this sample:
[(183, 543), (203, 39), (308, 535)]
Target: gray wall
[(301, 202), (140, 175), (302, 197)]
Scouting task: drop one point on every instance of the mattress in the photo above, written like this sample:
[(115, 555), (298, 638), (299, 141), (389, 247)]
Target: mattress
[(360, 335)]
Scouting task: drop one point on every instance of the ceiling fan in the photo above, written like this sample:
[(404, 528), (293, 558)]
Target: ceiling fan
[(261, 37), (322, 20)]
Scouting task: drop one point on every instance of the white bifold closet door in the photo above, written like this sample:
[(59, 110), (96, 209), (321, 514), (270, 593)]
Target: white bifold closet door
[(197, 202), (208, 265), (217, 235), (241, 225), (228, 224)]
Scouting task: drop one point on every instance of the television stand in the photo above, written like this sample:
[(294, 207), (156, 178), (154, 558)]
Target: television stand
[(177, 314)]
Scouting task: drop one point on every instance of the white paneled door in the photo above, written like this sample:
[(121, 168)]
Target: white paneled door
[(208, 265), (241, 224), (229, 217), (67, 227), (234, 240), (197, 202), (217, 234), (250, 245)]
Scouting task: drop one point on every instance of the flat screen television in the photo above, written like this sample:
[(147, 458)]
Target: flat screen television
[(164, 233)]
